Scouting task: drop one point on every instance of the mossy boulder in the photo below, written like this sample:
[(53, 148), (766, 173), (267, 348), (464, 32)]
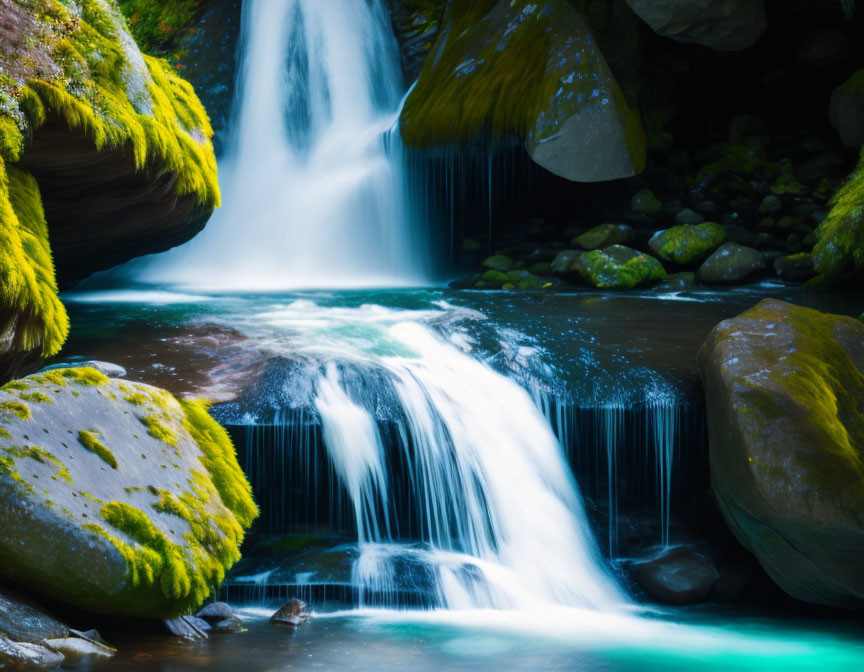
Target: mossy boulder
[(847, 110), (839, 251), (687, 244), (727, 25), (105, 154), (529, 71), (618, 267), (604, 236), (731, 262), (784, 387), (117, 498)]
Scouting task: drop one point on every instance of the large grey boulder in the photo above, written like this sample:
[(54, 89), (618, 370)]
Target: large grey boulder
[(727, 25), (116, 497), (784, 390)]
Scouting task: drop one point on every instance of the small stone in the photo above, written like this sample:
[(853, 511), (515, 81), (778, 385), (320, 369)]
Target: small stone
[(18, 654), (646, 203), (688, 216), (498, 262), (215, 611), (188, 627), (770, 205), (563, 262), (679, 576), (795, 267), (232, 624), (731, 263), (604, 236), (293, 612)]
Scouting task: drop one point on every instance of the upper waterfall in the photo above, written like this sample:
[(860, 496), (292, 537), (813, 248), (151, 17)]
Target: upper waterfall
[(313, 185)]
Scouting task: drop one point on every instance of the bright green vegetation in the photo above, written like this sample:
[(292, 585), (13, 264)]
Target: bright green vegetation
[(94, 445), (73, 62), (32, 453), (618, 267), (158, 25), (220, 460), (36, 398), (19, 409), (31, 315), (687, 244), (840, 249), (158, 430)]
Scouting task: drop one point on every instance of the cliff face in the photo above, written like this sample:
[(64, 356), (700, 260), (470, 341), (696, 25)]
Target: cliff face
[(105, 154)]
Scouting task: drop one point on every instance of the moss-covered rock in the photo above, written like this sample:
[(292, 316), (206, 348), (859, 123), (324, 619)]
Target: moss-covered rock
[(784, 388), (604, 236), (686, 244), (731, 262), (840, 249), (728, 25), (117, 498), (530, 71), (847, 110), (618, 267)]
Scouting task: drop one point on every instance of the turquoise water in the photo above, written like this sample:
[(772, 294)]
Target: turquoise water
[(595, 343)]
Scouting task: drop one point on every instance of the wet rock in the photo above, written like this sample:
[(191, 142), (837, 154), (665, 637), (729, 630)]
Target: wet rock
[(564, 260), (687, 244), (76, 648), (731, 263), (116, 497), (23, 621), (679, 576), (847, 111), (618, 267), (232, 624), (215, 611), (688, 216), (109, 369), (294, 612), (187, 627), (17, 655), (645, 202), (728, 25), (523, 86), (770, 205), (604, 236), (783, 388), (498, 262), (678, 282)]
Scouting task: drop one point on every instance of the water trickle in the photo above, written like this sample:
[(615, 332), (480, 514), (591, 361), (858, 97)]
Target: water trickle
[(313, 184)]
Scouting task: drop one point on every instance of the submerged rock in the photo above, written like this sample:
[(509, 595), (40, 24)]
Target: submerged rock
[(728, 25), (117, 498), (686, 244), (679, 576), (731, 263), (604, 236), (530, 71), (618, 267), (783, 388), (294, 612)]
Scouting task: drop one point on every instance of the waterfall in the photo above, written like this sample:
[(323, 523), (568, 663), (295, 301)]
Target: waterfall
[(313, 183), (460, 491)]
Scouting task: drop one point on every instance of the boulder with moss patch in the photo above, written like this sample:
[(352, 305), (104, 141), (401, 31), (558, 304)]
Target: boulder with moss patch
[(105, 155), (687, 244), (529, 71), (847, 110), (731, 262), (618, 267), (604, 236), (117, 498), (784, 387)]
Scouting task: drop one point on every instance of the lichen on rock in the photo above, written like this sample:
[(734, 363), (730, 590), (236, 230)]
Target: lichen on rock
[(618, 267), (687, 244), (112, 519)]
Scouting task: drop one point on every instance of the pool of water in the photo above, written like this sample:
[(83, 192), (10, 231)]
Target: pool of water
[(552, 639)]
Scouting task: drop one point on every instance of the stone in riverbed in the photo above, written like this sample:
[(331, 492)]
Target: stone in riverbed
[(22, 621), (686, 244), (731, 263), (645, 202), (116, 497), (618, 267), (293, 612), (564, 260), (604, 236), (17, 655), (784, 388), (215, 611), (795, 267), (498, 262), (679, 576)]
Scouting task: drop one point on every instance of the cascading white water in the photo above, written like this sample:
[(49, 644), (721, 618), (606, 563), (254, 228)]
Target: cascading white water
[(499, 519), (313, 186)]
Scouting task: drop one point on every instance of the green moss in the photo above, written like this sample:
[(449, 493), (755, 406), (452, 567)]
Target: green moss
[(16, 407), (39, 455), (220, 460), (688, 244), (157, 25), (840, 249), (158, 430), (36, 398), (618, 267), (137, 399), (31, 315), (83, 375), (18, 385), (94, 445)]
